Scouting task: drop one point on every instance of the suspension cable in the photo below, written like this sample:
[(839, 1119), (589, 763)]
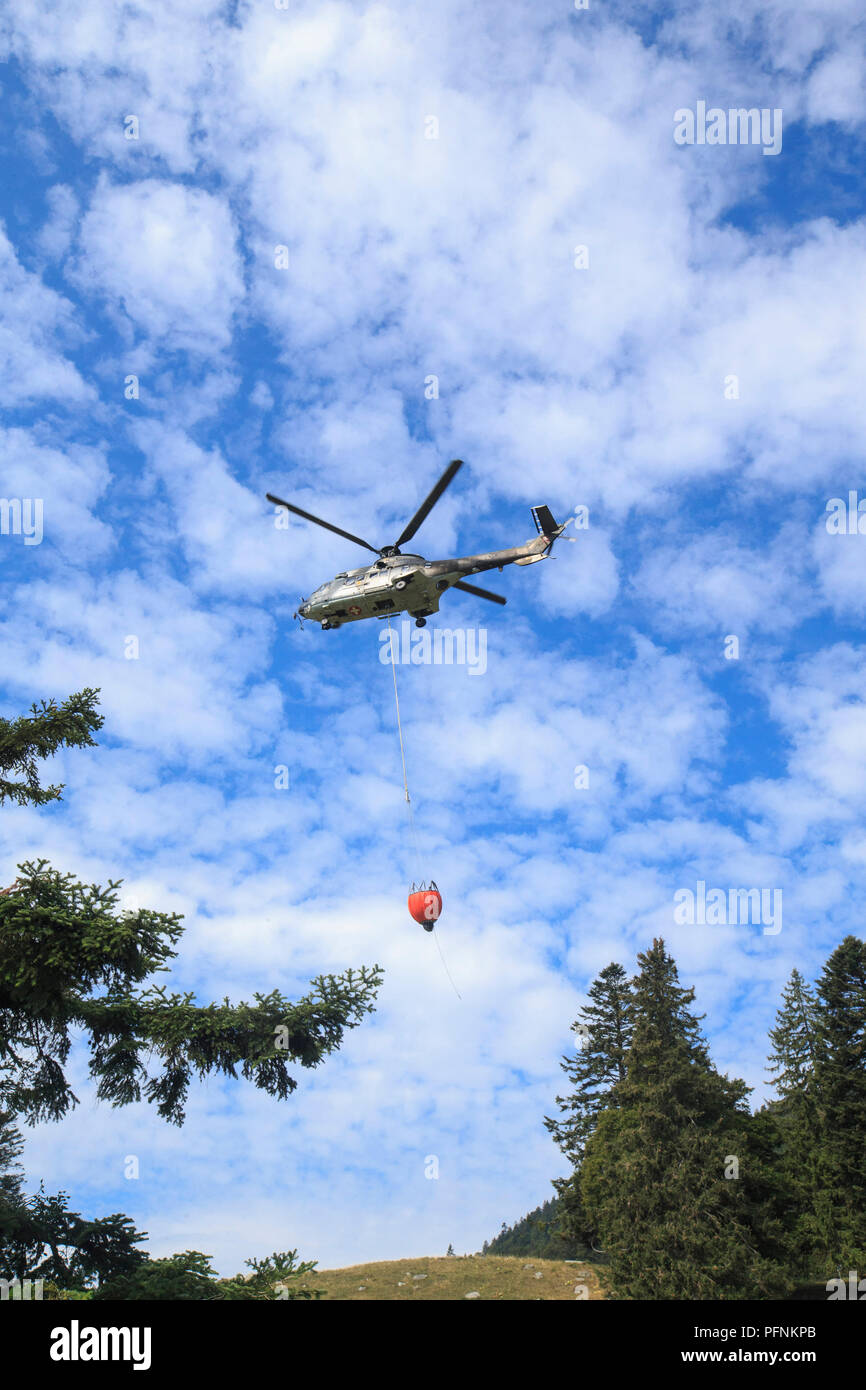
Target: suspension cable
[(409, 800)]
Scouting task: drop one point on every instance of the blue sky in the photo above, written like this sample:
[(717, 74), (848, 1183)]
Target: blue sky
[(608, 386)]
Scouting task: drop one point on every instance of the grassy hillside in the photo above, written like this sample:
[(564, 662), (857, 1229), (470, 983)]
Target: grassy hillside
[(505, 1278)]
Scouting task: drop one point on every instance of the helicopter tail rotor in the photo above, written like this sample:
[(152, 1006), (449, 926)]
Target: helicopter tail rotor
[(545, 523)]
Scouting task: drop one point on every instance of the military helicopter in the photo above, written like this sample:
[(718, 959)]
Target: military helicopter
[(398, 583)]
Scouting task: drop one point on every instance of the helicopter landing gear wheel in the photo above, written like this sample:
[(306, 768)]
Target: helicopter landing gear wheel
[(420, 622), (401, 584)]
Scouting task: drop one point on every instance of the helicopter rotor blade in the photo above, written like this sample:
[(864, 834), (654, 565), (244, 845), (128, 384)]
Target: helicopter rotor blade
[(308, 516), (429, 502), (479, 593)]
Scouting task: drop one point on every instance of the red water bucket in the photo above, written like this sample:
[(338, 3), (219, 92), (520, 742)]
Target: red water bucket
[(425, 905)]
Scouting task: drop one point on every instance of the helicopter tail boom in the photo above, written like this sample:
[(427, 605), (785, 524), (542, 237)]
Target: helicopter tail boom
[(527, 554), (548, 531)]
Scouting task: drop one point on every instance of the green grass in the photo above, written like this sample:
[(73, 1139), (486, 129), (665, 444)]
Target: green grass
[(507, 1278)]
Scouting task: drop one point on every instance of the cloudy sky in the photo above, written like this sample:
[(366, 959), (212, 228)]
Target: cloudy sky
[(670, 335)]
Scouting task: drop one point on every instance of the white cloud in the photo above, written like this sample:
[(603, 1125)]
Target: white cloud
[(841, 562), (70, 483), (189, 691), (37, 323), (716, 585), (166, 254), (836, 89), (56, 235)]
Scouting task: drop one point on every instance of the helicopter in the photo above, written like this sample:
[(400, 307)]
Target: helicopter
[(404, 583)]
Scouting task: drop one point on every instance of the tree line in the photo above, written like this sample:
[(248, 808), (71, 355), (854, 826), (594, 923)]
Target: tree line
[(685, 1191)]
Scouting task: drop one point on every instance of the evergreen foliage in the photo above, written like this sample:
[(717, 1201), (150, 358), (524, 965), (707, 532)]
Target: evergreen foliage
[(819, 1120), (794, 1125), (190, 1276), (69, 960), (39, 734), (540, 1233), (72, 963), (40, 1238), (840, 1092), (604, 1029), (679, 1194)]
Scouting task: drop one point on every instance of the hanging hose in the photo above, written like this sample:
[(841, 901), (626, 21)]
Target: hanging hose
[(412, 828)]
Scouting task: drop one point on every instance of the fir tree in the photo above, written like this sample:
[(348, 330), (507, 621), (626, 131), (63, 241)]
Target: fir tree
[(539, 1234), (604, 1030), (797, 1121), (11, 1172), (190, 1276), (15, 1221), (38, 735), (658, 1174), (840, 1086), (40, 1238), (794, 1039), (70, 962)]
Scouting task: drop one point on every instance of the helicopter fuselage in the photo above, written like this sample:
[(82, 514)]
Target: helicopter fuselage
[(406, 584)]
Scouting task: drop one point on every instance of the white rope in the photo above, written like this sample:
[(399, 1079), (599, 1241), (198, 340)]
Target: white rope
[(445, 967), (409, 801), (412, 828)]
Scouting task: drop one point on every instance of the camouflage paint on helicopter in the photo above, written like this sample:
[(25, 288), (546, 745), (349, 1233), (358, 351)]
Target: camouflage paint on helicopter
[(406, 583)]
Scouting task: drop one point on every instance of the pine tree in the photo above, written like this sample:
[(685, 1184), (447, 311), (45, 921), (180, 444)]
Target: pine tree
[(190, 1276), (659, 1173), (47, 728), (539, 1234), (71, 962), (604, 1029), (794, 1039), (14, 1215), (840, 1085), (11, 1146), (797, 1124)]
